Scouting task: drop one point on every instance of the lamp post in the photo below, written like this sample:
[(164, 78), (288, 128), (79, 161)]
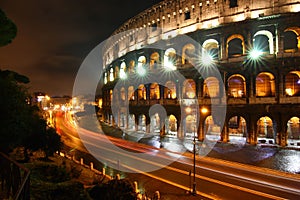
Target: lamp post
[(194, 164)]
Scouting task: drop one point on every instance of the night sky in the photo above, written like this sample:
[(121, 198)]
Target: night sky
[(54, 36)]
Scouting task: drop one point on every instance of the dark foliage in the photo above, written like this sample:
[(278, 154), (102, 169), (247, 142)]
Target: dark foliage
[(114, 190)]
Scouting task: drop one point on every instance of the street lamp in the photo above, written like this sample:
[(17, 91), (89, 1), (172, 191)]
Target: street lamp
[(194, 163)]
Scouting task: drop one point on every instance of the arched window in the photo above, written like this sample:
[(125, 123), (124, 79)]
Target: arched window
[(155, 123), (111, 74), (293, 128), (105, 78), (142, 92), (291, 42), (131, 66), (235, 46), (154, 61), (292, 83), (265, 127), (211, 47), (122, 74), (154, 91), (122, 94), (265, 85), (211, 87), (236, 86), (170, 59), (170, 90), (141, 70), (130, 93), (263, 42), (188, 54), (189, 89)]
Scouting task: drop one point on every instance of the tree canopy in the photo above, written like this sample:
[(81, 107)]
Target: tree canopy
[(21, 124), (8, 29)]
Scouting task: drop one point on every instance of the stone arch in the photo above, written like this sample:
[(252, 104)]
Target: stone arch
[(212, 131), (170, 59), (188, 54), (293, 131), (189, 89), (292, 83), (236, 86), (171, 126), (130, 93), (122, 73), (265, 130), (170, 90), (211, 47), (211, 87), (291, 39), (154, 91), (237, 129), (263, 41), (265, 85), (154, 60), (142, 94), (235, 45)]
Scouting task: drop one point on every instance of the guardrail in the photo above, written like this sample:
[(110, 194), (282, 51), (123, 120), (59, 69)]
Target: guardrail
[(14, 179)]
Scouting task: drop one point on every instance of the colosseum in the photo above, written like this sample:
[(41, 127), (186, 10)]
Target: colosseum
[(255, 47)]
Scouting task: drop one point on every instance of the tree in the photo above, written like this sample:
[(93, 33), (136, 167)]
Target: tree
[(114, 190), (8, 29), (21, 124), (15, 112)]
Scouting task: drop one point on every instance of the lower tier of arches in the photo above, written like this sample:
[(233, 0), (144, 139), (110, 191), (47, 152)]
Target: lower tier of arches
[(255, 124)]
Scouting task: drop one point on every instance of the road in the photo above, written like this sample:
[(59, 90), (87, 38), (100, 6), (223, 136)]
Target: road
[(215, 179)]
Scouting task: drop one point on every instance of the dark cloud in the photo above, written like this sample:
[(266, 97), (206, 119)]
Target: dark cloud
[(54, 36)]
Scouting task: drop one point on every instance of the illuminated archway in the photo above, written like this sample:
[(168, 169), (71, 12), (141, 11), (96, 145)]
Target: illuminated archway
[(122, 94), (154, 91), (142, 92), (170, 90), (265, 131), (292, 83), (170, 59), (211, 47), (293, 131), (155, 124), (130, 94), (122, 73), (131, 66), (142, 123), (237, 128), (171, 126), (131, 122), (190, 126), (189, 89), (265, 85), (211, 87), (188, 54), (236, 86), (263, 41), (212, 131), (154, 60)]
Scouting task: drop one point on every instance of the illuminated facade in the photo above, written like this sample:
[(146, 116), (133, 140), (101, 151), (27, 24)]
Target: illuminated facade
[(256, 48)]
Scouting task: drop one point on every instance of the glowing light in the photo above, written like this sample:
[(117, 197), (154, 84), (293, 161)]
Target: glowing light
[(255, 54), (123, 75), (188, 110), (289, 91), (141, 71), (169, 66), (204, 110), (207, 59)]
